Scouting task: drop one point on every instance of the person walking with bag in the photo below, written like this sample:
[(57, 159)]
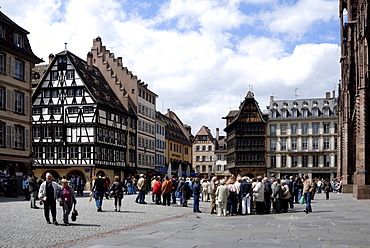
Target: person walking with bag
[(67, 199), (117, 193)]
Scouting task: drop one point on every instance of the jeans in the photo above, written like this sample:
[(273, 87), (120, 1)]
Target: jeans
[(173, 194), (298, 195), (196, 203), (307, 198), (98, 196), (129, 189), (141, 196)]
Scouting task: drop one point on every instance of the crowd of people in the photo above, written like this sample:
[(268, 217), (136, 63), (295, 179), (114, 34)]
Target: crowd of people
[(227, 196)]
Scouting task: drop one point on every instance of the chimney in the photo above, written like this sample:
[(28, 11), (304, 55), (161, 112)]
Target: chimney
[(271, 98), (90, 60), (51, 57), (217, 133), (327, 95)]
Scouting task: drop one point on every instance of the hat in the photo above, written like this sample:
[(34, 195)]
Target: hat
[(223, 181), (283, 181), (141, 175), (64, 180)]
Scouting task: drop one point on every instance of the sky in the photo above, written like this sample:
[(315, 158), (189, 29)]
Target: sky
[(200, 57)]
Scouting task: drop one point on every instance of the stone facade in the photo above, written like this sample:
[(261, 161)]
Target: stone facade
[(353, 99)]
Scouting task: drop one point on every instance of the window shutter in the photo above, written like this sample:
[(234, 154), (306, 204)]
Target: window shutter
[(27, 139), (8, 135), (27, 72), (8, 64), (10, 99), (12, 136), (27, 104), (12, 65)]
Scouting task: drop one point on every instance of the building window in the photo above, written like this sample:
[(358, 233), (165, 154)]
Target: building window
[(326, 161), (326, 128), (209, 148), (315, 144), (315, 112), (58, 131), (69, 74), (294, 128), (78, 92), (36, 132), (304, 144), (304, 160), (86, 152), (315, 128), (284, 113), (326, 144), (73, 110), (294, 113), (294, 144), (2, 98), (18, 40), (61, 152), (2, 134), (283, 129), (273, 113), (273, 130), (283, 161), (315, 161), (273, 161), (326, 112), (19, 70), (54, 75), (1, 32), (210, 168), (88, 109), (47, 132), (204, 168), (49, 152), (197, 168), (273, 145), (305, 112), (38, 152), (203, 158), (197, 148), (19, 102), (283, 144), (294, 160), (2, 63), (73, 152), (304, 128)]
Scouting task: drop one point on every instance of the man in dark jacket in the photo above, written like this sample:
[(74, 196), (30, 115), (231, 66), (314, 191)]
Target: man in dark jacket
[(34, 189), (99, 189), (196, 196), (267, 194)]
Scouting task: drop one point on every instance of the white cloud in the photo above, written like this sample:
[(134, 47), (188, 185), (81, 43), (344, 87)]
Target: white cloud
[(199, 67)]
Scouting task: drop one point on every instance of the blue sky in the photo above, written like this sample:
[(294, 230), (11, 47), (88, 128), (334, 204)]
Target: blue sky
[(200, 56)]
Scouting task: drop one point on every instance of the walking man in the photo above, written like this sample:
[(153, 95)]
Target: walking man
[(308, 187), (34, 189), (48, 194)]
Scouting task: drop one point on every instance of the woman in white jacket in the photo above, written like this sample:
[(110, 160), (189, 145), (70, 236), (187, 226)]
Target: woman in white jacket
[(258, 193)]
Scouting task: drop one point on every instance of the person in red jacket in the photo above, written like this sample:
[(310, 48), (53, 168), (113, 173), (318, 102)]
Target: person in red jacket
[(157, 190)]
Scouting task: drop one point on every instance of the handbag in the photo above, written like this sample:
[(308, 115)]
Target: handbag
[(74, 213), (301, 201)]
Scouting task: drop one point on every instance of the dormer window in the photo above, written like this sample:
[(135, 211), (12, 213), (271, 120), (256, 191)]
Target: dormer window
[(284, 113), (294, 113), (315, 112), (305, 112), (18, 40)]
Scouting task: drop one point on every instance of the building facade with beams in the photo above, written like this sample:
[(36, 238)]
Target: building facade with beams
[(301, 137), (80, 127), (353, 99), (16, 63), (246, 139), (136, 97), (178, 147)]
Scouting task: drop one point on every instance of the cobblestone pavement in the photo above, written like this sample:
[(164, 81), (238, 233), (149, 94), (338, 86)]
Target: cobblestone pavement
[(339, 222)]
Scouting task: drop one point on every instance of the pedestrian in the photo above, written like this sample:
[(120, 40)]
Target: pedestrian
[(157, 190), (327, 188), (166, 191), (267, 195), (258, 194), (129, 185), (98, 190), (277, 195), (212, 193), (116, 190), (67, 199), (80, 184), (308, 188), (245, 195), (238, 198), (34, 189), (141, 186), (285, 196), (107, 185), (48, 193), (186, 193), (231, 200), (222, 193), (179, 188), (298, 187), (174, 182), (72, 182), (151, 187), (205, 186), (196, 196), (25, 187)]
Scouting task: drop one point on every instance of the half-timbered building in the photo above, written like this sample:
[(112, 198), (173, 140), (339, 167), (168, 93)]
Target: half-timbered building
[(246, 139), (79, 125)]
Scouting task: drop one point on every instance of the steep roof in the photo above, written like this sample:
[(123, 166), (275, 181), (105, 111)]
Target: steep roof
[(94, 81), (173, 130)]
